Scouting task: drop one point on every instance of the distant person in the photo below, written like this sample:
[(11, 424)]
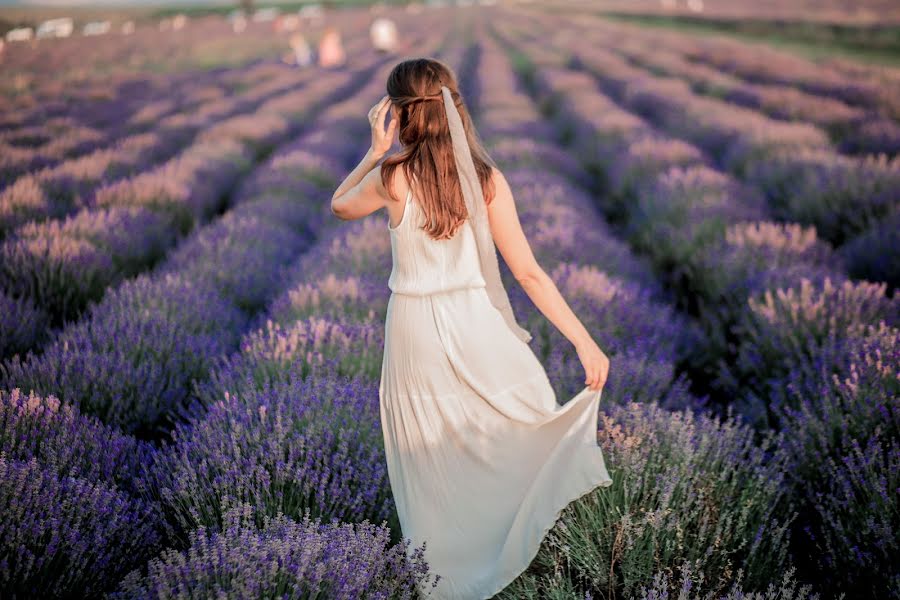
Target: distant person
[(331, 48), (239, 23), (302, 52), (384, 34)]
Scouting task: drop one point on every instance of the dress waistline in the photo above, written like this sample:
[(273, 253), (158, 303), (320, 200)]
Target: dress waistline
[(439, 292)]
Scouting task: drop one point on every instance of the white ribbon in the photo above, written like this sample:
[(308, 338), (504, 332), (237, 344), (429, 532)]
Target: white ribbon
[(474, 198)]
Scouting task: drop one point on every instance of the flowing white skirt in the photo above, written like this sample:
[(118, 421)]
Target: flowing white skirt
[(481, 457)]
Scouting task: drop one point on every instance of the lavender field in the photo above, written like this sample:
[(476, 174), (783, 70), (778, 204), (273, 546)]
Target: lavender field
[(191, 343)]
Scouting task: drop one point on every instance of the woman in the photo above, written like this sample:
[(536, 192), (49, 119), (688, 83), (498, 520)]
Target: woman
[(481, 457)]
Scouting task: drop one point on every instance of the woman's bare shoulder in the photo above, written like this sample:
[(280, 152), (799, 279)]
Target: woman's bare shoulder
[(501, 186), (399, 185)]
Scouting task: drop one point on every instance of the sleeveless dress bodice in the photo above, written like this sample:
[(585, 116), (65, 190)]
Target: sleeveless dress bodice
[(423, 265)]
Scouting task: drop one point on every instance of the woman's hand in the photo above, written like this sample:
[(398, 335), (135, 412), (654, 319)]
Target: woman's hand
[(595, 363), (381, 140)]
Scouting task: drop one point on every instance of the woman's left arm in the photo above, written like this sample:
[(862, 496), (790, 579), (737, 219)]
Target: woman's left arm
[(362, 192)]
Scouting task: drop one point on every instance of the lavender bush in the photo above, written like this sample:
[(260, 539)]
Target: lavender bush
[(688, 490), (64, 265), (68, 442), (132, 360), (841, 196), (689, 585), (285, 559), (61, 273), (241, 256), (790, 330), (64, 536), (22, 325), (276, 353), (842, 444), (311, 445), (873, 254)]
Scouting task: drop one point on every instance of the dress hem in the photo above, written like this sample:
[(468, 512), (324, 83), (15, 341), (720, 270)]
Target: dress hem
[(593, 486)]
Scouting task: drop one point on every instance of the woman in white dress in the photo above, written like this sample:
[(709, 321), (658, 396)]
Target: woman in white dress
[(481, 457)]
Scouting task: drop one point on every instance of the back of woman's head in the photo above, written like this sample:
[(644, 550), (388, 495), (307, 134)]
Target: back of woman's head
[(414, 87)]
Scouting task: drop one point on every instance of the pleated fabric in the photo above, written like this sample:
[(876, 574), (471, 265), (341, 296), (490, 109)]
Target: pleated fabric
[(481, 457)]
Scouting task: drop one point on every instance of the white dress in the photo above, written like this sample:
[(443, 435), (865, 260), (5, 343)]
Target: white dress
[(481, 458)]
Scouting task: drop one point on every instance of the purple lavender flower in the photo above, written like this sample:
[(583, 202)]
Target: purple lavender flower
[(789, 330), (298, 445), (286, 559), (62, 535), (69, 443), (132, 360), (239, 255), (23, 326)]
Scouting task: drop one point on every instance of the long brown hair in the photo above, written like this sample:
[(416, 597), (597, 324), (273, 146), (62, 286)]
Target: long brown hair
[(428, 150)]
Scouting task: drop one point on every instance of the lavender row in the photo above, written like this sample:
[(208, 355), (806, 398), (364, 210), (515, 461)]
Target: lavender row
[(780, 317), (857, 129), (56, 191), (72, 185), (853, 129), (867, 87), (845, 198), (655, 183), (53, 138), (195, 304), (803, 178), (83, 67), (60, 267), (114, 83)]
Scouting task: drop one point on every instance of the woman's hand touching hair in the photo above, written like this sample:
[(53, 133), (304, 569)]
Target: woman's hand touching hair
[(382, 139)]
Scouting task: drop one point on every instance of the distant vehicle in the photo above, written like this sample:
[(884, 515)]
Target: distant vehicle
[(55, 28), (238, 21), (311, 11), (19, 34), (96, 28), (266, 14)]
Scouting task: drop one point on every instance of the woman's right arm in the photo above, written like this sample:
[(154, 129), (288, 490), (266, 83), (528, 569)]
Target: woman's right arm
[(513, 245)]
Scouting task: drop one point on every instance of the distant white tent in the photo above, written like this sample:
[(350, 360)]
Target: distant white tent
[(311, 12), (55, 28), (96, 28), (19, 34)]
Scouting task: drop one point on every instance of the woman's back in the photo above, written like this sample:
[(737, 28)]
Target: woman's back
[(423, 265)]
